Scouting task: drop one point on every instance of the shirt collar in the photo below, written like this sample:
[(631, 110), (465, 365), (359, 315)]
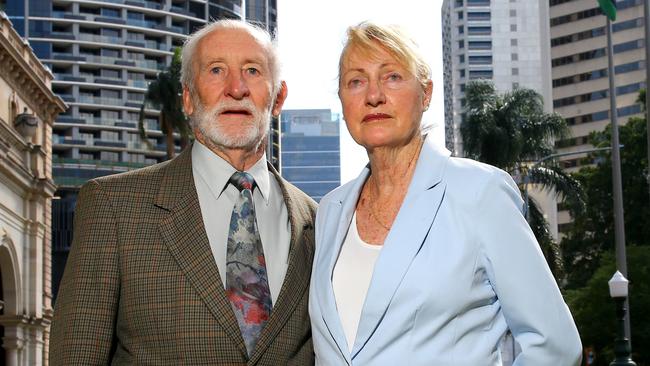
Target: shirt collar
[(216, 171)]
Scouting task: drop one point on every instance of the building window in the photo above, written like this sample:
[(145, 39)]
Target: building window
[(514, 57), (109, 156), (460, 15), (513, 27), (461, 29), (515, 71), (478, 2), (478, 15), (461, 44), (480, 45), (461, 58), (513, 13), (480, 60), (479, 31), (480, 74)]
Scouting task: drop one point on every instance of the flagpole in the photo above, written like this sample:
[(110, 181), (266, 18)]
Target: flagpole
[(647, 82), (619, 223)]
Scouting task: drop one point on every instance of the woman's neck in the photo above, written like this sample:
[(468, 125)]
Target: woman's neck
[(392, 168)]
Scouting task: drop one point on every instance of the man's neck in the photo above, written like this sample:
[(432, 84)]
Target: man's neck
[(240, 159)]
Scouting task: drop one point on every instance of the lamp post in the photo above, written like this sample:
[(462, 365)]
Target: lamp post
[(622, 349)]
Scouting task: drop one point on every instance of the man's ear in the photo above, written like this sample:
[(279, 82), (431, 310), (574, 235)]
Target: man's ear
[(188, 106), (279, 99)]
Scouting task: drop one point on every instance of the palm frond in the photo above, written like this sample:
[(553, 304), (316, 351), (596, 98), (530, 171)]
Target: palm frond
[(142, 132), (552, 177), (548, 245)]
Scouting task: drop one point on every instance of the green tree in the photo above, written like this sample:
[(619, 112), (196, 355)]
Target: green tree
[(642, 100), (512, 131), (592, 231), (595, 314), (165, 94)]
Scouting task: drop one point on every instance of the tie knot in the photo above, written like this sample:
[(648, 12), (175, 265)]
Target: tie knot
[(242, 180)]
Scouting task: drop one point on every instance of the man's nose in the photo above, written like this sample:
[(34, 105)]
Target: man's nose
[(375, 95), (236, 87)]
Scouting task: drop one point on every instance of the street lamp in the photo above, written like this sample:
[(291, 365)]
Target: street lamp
[(622, 348)]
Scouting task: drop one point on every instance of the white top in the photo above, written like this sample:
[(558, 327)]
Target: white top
[(351, 279), (217, 199)]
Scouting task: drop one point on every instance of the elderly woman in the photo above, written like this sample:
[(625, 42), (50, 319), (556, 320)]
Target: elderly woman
[(424, 259)]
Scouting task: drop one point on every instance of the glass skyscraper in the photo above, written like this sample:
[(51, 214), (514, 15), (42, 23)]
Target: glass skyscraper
[(311, 150)]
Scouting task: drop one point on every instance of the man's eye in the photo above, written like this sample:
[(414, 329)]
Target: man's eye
[(216, 70), (252, 71)]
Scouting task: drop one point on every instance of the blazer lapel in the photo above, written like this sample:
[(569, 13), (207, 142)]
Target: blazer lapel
[(183, 231), (339, 218), (409, 231), (296, 280)]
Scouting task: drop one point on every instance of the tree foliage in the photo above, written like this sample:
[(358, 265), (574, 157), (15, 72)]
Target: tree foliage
[(595, 314), (165, 93), (513, 132), (592, 232)]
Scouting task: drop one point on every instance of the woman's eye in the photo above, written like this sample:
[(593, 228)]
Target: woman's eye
[(394, 76), (355, 83)]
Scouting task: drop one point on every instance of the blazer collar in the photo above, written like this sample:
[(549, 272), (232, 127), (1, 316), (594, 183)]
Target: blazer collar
[(407, 235), (183, 232), (409, 230)]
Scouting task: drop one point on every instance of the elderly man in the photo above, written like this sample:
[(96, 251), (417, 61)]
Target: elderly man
[(205, 259)]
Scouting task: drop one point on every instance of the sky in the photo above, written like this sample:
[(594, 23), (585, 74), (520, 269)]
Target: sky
[(310, 39)]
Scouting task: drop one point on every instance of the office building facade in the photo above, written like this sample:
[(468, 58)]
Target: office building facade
[(580, 77), (27, 112), (505, 41), (311, 150), (103, 54)]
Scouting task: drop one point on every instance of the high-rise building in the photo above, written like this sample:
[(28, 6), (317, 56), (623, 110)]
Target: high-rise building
[(505, 41), (579, 70), (27, 111), (103, 54), (311, 150)]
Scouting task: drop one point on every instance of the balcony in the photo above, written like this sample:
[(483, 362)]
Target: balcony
[(88, 99)]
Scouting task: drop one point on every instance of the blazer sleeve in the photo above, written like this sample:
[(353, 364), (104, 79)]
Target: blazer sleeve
[(85, 311), (528, 295)]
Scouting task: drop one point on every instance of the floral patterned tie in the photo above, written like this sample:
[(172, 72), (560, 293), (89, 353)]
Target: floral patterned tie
[(247, 284)]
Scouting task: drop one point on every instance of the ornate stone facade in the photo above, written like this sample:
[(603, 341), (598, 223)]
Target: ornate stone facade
[(26, 191)]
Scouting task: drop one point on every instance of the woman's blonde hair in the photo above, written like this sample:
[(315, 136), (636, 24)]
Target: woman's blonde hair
[(368, 38)]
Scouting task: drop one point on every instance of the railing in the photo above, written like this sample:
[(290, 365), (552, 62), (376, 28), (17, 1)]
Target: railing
[(100, 100)]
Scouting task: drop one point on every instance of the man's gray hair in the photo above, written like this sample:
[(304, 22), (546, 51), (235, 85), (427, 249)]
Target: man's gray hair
[(258, 33)]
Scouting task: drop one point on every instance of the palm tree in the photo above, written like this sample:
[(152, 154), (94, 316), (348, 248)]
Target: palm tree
[(165, 94), (513, 132)]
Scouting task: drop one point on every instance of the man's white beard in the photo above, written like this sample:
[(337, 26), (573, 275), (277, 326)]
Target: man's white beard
[(248, 138)]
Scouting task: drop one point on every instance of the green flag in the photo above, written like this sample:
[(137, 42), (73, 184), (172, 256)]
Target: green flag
[(609, 8)]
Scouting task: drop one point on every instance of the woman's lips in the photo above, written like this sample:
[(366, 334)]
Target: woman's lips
[(375, 116)]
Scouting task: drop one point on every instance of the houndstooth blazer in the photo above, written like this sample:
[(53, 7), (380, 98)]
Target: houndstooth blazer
[(141, 286)]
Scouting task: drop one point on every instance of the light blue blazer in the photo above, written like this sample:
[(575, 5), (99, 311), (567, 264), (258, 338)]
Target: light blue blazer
[(459, 267)]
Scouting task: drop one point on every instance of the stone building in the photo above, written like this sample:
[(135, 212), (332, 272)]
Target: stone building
[(28, 108)]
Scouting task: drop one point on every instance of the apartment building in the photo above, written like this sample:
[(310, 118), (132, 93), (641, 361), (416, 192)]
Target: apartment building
[(579, 72)]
